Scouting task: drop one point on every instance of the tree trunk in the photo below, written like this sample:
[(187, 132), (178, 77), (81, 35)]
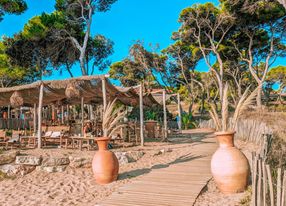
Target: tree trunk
[(259, 96), (220, 84), (203, 104), (239, 91), (82, 64)]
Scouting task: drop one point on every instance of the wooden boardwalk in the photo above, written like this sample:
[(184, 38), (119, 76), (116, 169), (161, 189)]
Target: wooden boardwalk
[(176, 185)]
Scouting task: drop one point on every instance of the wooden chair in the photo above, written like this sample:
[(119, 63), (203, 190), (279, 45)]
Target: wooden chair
[(133, 132), (56, 135), (14, 141), (3, 138)]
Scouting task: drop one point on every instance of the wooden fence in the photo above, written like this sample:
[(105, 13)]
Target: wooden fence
[(264, 186), (268, 184), (247, 130)]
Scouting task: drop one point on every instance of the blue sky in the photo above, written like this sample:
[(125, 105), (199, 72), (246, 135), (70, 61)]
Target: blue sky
[(152, 21)]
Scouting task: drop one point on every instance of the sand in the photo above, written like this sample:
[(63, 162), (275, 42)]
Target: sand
[(77, 186), (211, 196)]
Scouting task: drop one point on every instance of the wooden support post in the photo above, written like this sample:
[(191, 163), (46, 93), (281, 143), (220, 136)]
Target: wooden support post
[(141, 115), (104, 97), (9, 117), (53, 113), (82, 115), (9, 111), (254, 183), (35, 118), (264, 183), (259, 181), (165, 115), (279, 187), (283, 199), (41, 95), (270, 184), (68, 113), (63, 117), (179, 113)]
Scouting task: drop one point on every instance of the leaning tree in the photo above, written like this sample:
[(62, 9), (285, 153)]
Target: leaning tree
[(258, 37), (44, 44), (207, 27), (80, 12)]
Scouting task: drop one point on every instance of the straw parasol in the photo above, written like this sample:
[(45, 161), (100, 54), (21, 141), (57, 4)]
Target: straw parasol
[(16, 99)]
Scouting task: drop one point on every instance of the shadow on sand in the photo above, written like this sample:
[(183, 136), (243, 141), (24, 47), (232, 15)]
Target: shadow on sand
[(139, 172)]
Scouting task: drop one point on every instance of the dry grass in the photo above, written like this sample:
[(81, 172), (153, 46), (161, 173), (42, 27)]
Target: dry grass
[(275, 120), (244, 103), (4, 176), (247, 198)]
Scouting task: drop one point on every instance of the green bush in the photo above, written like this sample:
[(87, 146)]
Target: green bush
[(188, 121)]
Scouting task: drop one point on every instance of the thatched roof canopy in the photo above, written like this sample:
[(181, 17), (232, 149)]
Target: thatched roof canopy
[(90, 89)]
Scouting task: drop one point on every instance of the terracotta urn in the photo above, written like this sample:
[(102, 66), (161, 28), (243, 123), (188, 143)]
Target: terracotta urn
[(229, 166), (150, 127), (105, 165)]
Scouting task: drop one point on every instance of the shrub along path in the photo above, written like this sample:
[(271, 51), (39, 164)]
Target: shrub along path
[(177, 183)]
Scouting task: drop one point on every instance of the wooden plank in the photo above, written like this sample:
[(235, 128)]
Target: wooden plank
[(269, 177), (179, 184), (279, 187), (35, 119), (162, 198), (151, 201)]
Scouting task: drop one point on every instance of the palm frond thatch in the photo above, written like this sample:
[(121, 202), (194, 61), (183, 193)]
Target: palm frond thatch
[(16, 99)]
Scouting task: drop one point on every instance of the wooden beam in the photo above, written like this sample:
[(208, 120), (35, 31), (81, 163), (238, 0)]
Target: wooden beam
[(68, 113), (82, 115), (141, 115), (53, 113), (9, 111), (35, 118), (179, 113), (63, 117), (104, 97), (165, 115), (41, 95)]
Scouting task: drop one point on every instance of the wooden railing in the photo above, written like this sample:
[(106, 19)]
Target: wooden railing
[(263, 181), (247, 130)]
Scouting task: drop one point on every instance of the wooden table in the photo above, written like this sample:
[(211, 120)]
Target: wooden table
[(80, 141), (31, 140)]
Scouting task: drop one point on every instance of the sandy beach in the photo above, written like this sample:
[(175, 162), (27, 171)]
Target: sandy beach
[(77, 186)]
